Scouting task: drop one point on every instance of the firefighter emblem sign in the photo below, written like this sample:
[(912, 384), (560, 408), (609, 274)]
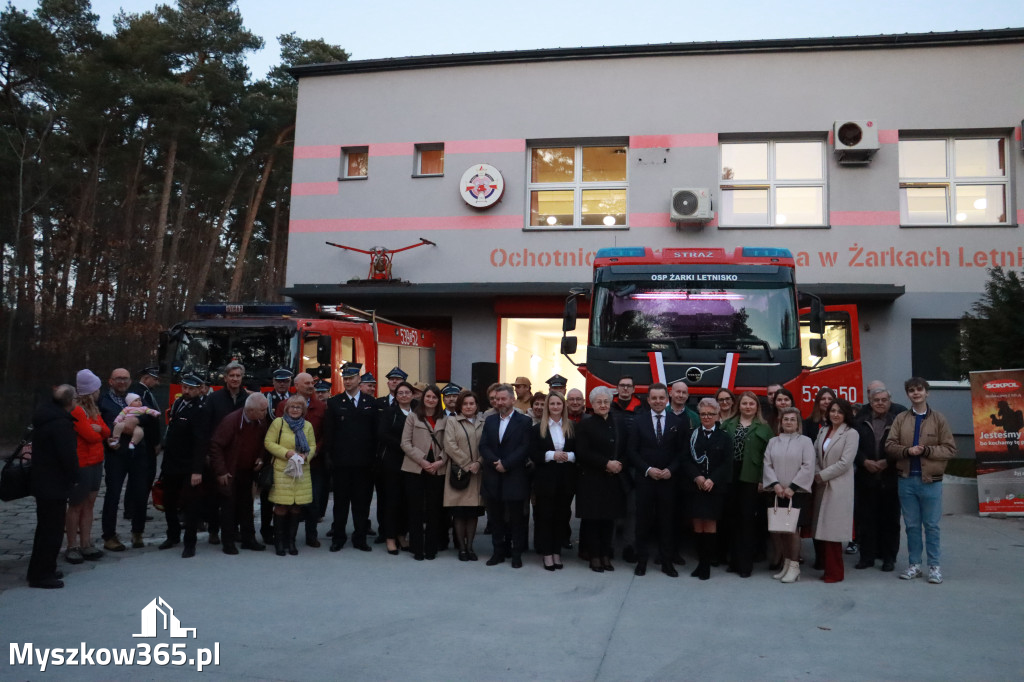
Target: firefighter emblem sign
[(482, 186)]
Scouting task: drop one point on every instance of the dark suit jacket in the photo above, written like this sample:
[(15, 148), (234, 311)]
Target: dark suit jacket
[(718, 467), (546, 475), (645, 450), (54, 453), (512, 451), (186, 437), (350, 431)]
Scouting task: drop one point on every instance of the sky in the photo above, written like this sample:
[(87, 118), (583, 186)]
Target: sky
[(401, 28)]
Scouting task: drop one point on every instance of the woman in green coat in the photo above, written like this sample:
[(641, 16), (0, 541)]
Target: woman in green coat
[(750, 435), (291, 442)]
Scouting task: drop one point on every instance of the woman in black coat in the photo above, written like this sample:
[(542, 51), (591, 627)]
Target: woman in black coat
[(709, 466), (601, 486), (552, 452), (391, 426)]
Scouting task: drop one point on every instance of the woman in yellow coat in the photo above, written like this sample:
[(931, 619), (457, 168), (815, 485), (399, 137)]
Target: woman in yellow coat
[(291, 442)]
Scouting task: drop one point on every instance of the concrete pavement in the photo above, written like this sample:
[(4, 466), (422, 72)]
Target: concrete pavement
[(372, 616)]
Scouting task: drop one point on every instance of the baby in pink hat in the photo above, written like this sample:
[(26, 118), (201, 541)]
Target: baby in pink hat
[(128, 418)]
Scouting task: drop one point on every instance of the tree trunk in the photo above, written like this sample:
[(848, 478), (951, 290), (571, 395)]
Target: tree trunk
[(157, 263), (172, 255)]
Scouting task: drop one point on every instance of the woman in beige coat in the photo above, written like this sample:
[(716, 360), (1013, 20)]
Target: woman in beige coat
[(462, 448), (836, 448), (290, 436), (423, 470)]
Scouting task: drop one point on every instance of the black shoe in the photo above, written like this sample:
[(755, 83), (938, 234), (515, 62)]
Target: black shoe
[(495, 560), (168, 543), (335, 547), (743, 574), (641, 568), (595, 566), (629, 554), (362, 547), (312, 542), (558, 566), (888, 566), (606, 564), (430, 557), (188, 552), (214, 537), (517, 562), (48, 584), (393, 551), (865, 563), (252, 545), (418, 557), (678, 559), (463, 555), (668, 569), (472, 555), (229, 547)]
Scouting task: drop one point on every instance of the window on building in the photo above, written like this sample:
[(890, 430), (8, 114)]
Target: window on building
[(578, 186), (934, 345), (429, 159), (774, 183), (953, 181), (355, 163)]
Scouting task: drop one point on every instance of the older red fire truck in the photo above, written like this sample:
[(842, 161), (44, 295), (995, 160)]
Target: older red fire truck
[(265, 337), (714, 318)]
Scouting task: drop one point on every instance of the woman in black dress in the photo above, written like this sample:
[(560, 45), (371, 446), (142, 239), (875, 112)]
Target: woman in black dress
[(601, 486), (709, 466), (392, 423), (553, 452)]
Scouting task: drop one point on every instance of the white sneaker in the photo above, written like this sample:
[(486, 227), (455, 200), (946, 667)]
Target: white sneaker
[(934, 575), (913, 571)]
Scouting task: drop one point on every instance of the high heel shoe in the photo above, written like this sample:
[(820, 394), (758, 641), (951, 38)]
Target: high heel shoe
[(547, 566), (557, 562)]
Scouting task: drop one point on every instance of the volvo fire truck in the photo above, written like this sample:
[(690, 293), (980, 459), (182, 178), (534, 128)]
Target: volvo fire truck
[(713, 318), (266, 337)]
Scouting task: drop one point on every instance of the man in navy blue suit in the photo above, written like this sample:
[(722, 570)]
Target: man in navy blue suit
[(656, 442), (506, 486)]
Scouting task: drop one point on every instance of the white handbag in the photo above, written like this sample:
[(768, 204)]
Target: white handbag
[(783, 519)]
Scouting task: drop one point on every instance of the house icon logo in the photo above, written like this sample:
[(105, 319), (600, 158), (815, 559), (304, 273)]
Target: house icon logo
[(159, 615)]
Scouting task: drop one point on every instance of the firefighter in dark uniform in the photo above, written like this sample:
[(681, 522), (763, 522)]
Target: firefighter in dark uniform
[(282, 382), (218, 405), (350, 432), (323, 389), (395, 376), (148, 379), (183, 463)]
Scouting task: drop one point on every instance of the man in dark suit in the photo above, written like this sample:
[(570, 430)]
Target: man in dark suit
[(655, 446), (183, 463), (282, 382), (350, 435), (505, 484)]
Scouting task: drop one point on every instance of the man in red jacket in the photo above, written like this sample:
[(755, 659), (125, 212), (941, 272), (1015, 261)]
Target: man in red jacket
[(236, 448)]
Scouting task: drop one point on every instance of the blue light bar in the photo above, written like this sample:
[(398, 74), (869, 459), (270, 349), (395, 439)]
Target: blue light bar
[(622, 252), (765, 252), (244, 309)]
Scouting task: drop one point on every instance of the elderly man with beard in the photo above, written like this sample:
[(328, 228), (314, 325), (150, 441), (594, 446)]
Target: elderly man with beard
[(236, 453)]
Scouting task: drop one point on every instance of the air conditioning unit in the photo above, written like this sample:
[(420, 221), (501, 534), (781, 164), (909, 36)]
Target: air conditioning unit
[(691, 205), (855, 142)]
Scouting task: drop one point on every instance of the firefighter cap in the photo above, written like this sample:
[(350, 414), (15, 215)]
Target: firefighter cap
[(367, 379), (282, 374), (557, 381), (351, 369), (322, 385), (397, 373), (451, 389), (152, 370), (191, 380)]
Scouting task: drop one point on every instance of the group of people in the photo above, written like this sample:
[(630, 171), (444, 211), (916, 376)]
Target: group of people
[(665, 475)]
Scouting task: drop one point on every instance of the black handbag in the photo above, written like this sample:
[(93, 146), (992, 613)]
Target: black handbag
[(265, 476), (16, 476)]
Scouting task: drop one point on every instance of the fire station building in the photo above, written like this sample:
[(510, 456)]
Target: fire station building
[(890, 166)]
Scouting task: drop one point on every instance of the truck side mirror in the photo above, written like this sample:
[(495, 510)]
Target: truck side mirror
[(323, 350), (569, 315), (817, 319), (818, 348), (568, 345)]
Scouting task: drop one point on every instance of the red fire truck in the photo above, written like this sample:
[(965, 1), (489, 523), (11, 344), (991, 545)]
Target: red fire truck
[(714, 318), (265, 337)]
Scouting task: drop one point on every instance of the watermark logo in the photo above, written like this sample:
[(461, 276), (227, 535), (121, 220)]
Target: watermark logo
[(159, 613), (158, 620)]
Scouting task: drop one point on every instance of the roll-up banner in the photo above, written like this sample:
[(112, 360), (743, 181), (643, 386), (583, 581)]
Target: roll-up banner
[(997, 403)]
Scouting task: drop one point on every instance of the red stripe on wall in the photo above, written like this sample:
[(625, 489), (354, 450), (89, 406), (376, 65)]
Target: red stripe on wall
[(392, 149), (471, 222), (660, 220), (302, 189), (1016, 133), (1020, 216), (323, 151), (484, 146), (864, 218), (888, 136), (669, 141)]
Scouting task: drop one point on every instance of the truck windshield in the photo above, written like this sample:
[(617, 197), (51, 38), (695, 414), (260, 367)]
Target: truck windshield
[(756, 314), (263, 349)]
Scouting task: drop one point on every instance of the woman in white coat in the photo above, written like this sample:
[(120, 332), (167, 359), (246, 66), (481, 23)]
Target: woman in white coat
[(836, 448)]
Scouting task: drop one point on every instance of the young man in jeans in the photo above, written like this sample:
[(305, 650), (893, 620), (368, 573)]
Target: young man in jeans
[(920, 442)]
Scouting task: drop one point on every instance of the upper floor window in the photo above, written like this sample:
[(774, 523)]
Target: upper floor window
[(953, 181), (429, 159), (355, 163), (774, 183), (578, 186)]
